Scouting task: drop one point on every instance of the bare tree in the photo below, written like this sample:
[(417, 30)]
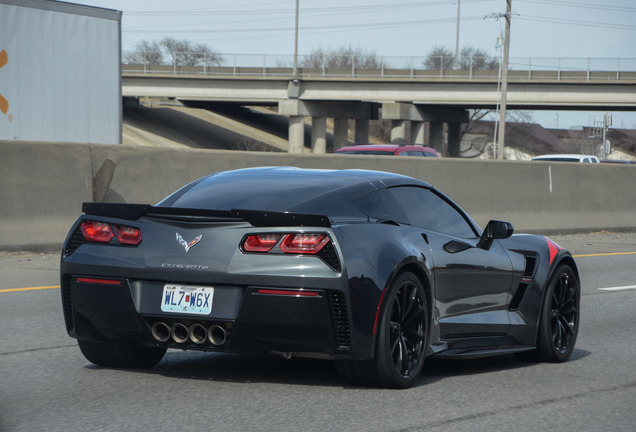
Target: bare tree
[(145, 52), (185, 53), (180, 53), (439, 58), (477, 59), (522, 133), (580, 142), (342, 58)]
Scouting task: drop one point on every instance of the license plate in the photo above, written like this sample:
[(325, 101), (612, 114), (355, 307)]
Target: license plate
[(187, 299)]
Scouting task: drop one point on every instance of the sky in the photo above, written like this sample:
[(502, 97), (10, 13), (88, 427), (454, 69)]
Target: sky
[(603, 31)]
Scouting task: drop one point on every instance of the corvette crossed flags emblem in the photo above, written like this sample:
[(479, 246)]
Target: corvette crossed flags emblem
[(187, 245)]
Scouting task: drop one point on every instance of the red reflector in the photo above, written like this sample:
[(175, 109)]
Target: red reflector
[(261, 242), (292, 293), (127, 235), (304, 243), (98, 281), (96, 231)]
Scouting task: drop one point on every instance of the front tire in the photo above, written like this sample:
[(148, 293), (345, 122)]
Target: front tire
[(121, 353), (559, 324)]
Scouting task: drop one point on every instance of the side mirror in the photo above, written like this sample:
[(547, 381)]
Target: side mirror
[(495, 230)]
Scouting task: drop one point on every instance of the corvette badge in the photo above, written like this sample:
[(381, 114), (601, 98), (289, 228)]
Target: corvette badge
[(187, 245)]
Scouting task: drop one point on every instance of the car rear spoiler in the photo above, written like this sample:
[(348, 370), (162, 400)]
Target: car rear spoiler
[(253, 217)]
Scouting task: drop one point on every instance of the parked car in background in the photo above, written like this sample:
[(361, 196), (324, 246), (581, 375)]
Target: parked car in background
[(622, 162), (567, 158), (389, 150)]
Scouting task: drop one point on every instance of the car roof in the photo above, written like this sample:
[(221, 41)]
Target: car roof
[(384, 147), (563, 156), (282, 189)]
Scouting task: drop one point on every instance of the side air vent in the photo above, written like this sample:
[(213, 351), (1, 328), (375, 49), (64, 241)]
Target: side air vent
[(516, 299), (67, 300), (76, 240), (328, 254), (528, 273), (531, 262), (340, 317)]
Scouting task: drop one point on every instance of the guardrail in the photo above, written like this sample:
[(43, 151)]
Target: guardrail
[(271, 65)]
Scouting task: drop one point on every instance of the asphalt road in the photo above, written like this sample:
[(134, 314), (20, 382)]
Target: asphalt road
[(47, 385)]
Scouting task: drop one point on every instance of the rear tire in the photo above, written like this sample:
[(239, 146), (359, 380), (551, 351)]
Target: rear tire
[(121, 353), (402, 339)]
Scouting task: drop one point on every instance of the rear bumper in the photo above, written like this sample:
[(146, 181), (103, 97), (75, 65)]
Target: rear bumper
[(250, 318)]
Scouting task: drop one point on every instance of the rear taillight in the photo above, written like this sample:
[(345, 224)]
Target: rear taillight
[(292, 243), (127, 235), (261, 242), (96, 231), (103, 232), (304, 243)]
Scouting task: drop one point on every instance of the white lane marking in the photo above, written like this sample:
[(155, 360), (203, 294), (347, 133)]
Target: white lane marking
[(622, 288), (550, 175)]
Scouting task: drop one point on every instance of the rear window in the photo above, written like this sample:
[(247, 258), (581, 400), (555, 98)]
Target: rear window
[(273, 192)]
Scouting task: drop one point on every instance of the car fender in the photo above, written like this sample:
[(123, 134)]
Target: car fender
[(371, 269)]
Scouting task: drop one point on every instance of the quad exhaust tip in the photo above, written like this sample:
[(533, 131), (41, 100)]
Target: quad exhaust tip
[(196, 333), (179, 333), (161, 331), (217, 335)]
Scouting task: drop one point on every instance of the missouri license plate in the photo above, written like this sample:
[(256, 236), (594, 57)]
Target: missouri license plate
[(187, 299)]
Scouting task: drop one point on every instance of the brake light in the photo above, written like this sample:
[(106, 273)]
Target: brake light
[(127, 235), (304, 243), (96, 231), (261, 242), (103, 232), (292, 243)]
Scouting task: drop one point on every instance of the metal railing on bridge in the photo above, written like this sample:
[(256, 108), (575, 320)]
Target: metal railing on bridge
[(394, 67)]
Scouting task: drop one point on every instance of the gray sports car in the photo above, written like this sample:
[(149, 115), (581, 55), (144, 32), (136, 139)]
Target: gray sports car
[(374, 270)]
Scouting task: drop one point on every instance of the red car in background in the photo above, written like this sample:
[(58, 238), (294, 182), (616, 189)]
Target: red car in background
[(389, 150)]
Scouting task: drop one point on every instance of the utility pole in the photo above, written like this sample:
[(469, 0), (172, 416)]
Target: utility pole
[(504, 82), (459, 2), (295, 73), (607, 122)]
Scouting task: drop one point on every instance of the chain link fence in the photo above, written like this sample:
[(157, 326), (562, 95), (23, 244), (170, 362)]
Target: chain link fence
[(474, 67)]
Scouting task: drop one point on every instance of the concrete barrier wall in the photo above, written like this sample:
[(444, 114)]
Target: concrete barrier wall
[(44, 185)]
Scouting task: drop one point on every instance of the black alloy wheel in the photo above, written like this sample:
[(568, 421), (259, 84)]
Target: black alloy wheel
[(560, 316), (402, 336), (402, 339)]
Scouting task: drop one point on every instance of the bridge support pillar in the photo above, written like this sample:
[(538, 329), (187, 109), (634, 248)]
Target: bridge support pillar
[(435, 116), (418, 132), (319, 135), (436, 137), (296, 134), (398, 131), (341, 112), (340, 133), (454, 138), (362, 131)]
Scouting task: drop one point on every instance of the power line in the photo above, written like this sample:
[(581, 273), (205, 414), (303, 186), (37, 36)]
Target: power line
[(290, 10), (582, 5), (347, 27), (577, 22)]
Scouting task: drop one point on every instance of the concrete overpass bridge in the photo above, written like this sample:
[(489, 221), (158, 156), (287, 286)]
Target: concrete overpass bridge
[(423, 99)]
